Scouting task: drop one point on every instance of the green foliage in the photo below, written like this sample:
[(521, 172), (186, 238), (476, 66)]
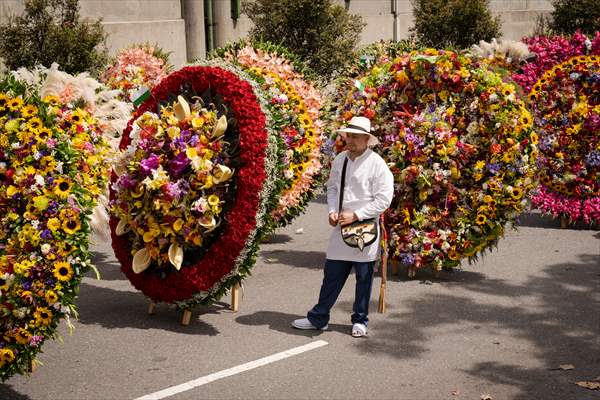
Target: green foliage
[(51, 31), (454, 23), (321, 33), (572, 15)]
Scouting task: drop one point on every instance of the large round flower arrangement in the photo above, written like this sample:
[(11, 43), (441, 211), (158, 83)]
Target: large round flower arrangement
[(563, 91), (295, 104), (566, 105), (52, 168), (189, 201), (461, 147)]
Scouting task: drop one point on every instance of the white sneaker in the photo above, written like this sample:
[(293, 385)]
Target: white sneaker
[(359, 330), (304, 323)]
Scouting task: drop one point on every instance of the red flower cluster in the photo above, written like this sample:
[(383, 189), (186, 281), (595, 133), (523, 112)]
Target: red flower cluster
[(220, 258)]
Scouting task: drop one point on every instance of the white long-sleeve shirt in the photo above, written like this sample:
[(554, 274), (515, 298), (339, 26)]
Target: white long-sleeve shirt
[(368, 192)]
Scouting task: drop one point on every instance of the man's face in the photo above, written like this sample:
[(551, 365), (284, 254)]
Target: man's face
[(356, 142)]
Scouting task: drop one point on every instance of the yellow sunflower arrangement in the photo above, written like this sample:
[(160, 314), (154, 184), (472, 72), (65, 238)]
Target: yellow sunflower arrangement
[(52, 166)]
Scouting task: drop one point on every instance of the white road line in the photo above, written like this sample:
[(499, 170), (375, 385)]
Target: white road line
[(184, 387)]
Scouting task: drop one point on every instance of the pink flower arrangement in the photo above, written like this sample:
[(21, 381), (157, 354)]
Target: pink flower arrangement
[(553, 50), (553, 121), (136, 67)]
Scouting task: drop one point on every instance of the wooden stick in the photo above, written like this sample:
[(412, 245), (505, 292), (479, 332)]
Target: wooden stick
[(235, 297), (151, 308), (412, 272), (394, 267), (32, 366), (186, 318), (563, 223), (384, 265)]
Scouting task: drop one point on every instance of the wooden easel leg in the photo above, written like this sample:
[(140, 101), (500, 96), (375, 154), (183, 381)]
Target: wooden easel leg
[(151, 308), (32, 366), (412, 272), (394, 267), (235, 297), (563, 223), (186, 317)]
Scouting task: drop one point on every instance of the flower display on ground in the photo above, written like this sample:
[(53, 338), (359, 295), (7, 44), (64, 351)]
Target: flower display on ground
[(52, 169), (295, 104), (566, 106), (136, 67), (189, 197), (363, 60), (567, 135), (461, 146)]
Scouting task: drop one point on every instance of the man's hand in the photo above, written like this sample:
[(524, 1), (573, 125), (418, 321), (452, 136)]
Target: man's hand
[(347, 217), (333, 219)]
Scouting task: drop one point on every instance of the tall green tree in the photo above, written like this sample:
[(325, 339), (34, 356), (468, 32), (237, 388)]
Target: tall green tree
[(569, 16), (51, 31), (321, 33), (454, 23)]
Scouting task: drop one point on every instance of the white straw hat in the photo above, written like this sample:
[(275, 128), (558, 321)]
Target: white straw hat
[(360, 125)]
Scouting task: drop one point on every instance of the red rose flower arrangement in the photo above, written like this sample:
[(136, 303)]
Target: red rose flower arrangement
[(181, 264)]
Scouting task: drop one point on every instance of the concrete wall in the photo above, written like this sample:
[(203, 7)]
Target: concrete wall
[(131, 21), (178, 25)]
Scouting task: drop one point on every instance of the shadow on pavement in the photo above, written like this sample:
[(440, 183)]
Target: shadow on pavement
[(280, 322), (8, 393), (109, 268), (539, 220), (113, 309), (294, 258), (277, 238), (562, 328)]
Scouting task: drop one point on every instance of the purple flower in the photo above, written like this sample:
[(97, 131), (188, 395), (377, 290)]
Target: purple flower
[(173, 190), (150, 164), (178, 165), (407, 258), (46, 234)]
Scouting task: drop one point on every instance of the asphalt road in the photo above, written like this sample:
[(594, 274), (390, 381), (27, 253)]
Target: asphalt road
[(500, 327)]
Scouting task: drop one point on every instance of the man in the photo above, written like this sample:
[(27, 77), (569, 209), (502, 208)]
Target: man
[(368, 192)]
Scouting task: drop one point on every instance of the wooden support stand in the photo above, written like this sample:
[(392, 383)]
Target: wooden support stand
[(186, 317), (394, 267), (32, 366), (235, 297), (151, 308), (563, 223), (412, 272), (384, 265)]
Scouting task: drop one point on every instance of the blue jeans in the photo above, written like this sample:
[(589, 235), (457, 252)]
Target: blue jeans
[(336, 272)]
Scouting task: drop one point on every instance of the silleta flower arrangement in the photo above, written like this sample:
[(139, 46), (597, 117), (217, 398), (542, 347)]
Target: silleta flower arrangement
[(136, 67), (52, 168), (566, 107), (295, 104), (189, 198), (461, 147), (563, 92)]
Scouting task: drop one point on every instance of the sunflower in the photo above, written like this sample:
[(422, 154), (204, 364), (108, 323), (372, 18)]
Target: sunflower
[(516, 193), (3, 101), (29, 111), (47, 164), (43, 316), (22, 336), (481, 219), (453, 254), (51, 297), (63, 271), (6, 356), (71, 226), (15, 104), (34, 124), (51, 100), (65, 248), (43, 134), (78, 116), (62, 188), (53, 224)]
